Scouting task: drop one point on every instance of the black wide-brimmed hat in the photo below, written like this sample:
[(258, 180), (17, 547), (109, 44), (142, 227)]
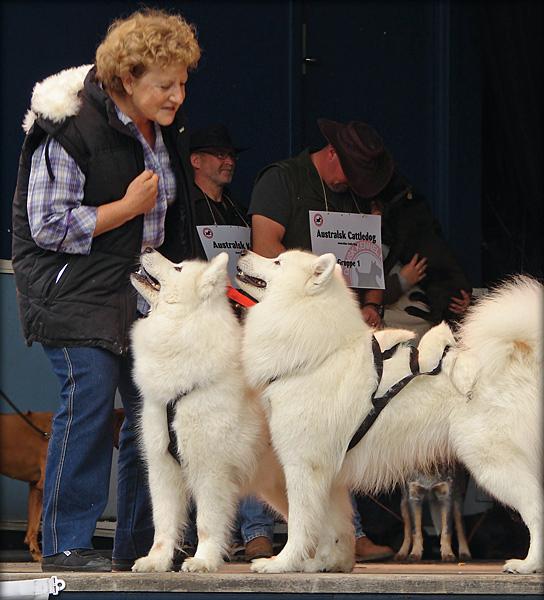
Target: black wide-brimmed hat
[(367, 164), (214, 136)]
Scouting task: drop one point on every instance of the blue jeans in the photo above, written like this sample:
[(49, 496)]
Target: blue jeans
[(254, 520), (356, 518), (80, 452)]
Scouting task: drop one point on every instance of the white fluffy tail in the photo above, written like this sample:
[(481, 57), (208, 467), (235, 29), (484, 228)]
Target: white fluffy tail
[(506, 325)]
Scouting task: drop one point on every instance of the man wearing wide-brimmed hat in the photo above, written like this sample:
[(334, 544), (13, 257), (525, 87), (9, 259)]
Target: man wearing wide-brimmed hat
[(356, 173), (352, 167)]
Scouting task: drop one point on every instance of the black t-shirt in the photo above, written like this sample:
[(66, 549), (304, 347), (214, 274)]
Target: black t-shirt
[(287, 191), (286, 195), (208, 212)]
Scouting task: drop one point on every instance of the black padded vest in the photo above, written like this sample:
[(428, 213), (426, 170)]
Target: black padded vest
[(93, 303)]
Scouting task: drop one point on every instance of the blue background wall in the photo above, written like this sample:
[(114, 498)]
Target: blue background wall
[(411, 69)]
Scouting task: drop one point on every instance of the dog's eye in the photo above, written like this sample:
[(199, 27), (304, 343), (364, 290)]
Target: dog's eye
[(277, 262), (178, 268)]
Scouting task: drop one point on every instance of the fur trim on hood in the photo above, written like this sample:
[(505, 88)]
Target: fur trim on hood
[(56, 98)]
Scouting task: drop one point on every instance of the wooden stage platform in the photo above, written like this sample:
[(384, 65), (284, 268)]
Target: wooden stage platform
[(386, 580)]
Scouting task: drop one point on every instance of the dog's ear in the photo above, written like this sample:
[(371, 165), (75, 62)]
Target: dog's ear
[(214, 277), (323, 270)]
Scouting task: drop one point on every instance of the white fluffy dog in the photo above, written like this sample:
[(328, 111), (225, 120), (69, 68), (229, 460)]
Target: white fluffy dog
[(188, 350), (307, 348)]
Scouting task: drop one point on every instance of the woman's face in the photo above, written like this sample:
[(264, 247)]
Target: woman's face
[(157, 94)]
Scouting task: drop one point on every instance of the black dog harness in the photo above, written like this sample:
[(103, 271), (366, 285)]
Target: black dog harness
[(378, 404), (240, 301), (173, 447), (244, 301)]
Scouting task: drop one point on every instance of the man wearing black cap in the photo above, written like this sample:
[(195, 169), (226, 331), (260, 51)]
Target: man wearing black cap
[(213, 158)]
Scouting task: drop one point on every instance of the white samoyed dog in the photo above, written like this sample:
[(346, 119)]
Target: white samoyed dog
[(308, 351), (187, 350)]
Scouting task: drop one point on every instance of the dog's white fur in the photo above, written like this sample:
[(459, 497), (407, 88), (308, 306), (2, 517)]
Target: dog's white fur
[(307, 348), (190, 343)]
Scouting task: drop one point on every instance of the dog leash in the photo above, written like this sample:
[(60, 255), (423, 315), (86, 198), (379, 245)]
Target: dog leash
[(378, 404), (45, 434)]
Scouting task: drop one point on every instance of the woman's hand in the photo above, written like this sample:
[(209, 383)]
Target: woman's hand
[(140, 198), (141, 194), (459, 305), (414, 271)]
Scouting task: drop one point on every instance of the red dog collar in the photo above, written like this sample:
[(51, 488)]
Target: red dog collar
[(240, 298)]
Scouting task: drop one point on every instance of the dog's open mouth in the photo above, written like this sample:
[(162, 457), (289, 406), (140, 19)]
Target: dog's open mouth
[(249, 279), (144, 277)]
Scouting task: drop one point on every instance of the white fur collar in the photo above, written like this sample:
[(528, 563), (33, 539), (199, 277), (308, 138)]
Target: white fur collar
[(56, 98)]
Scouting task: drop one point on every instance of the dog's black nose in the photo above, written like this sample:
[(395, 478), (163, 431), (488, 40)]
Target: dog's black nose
[(148, 250), (243, 253)]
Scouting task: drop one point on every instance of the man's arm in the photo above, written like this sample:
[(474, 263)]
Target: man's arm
[(270, 208), (266, 236)]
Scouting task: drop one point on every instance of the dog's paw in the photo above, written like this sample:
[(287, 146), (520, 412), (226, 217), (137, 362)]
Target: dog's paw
[(400, 556), (448, 557), (200, 565), (314, 565), (338, 559), (523, 567), (465, 556), (152, 564), (414, 557), (271, 565), (332, 565)]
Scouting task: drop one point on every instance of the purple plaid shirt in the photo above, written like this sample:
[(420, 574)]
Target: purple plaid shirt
[(59, 222)]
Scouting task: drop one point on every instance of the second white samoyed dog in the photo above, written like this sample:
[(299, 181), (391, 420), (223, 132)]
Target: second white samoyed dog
[(187, 355), (307, 348)]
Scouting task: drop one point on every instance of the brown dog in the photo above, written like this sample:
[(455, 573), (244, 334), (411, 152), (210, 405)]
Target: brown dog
[(23, 453), (444, 492)]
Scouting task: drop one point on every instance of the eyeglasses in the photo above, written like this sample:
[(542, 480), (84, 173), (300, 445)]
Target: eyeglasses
[(221, 154)]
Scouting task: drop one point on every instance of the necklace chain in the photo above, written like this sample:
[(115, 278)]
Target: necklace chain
[(325, 196), (226, 199), (324, 192)]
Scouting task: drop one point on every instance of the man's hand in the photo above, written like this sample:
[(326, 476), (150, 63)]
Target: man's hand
[(459, 305), (372, 307), (371, 316)]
